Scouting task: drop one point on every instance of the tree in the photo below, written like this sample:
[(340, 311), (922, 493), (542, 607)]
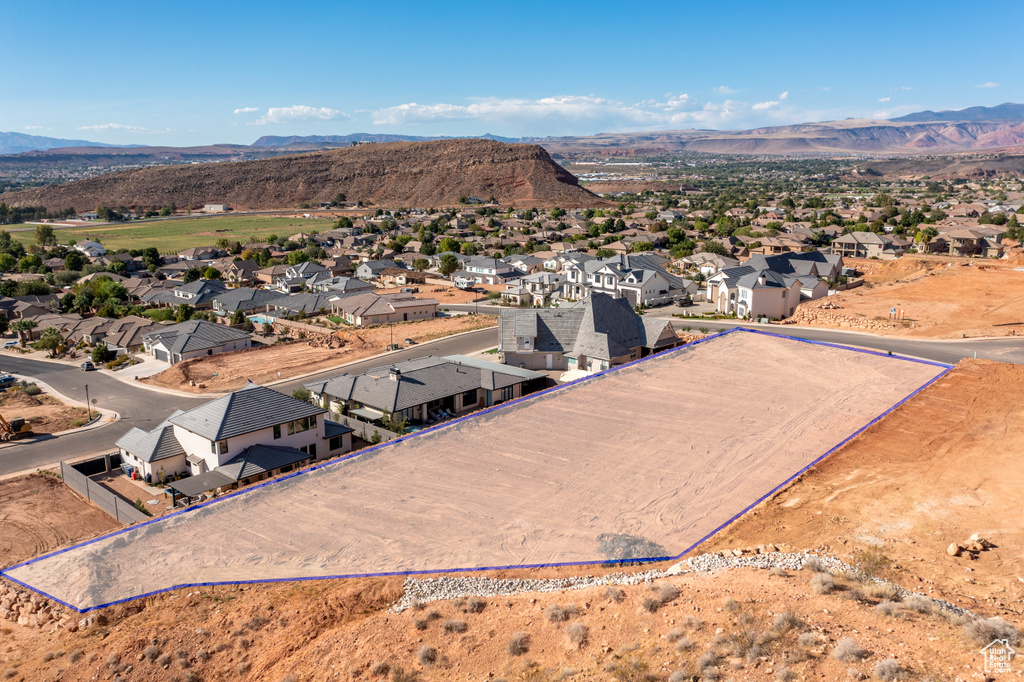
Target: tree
[(238, 317), (192, 274), (641, 246), (711, 246), (50, 340), (23, 328), (469, 249), (297, 257), (339, 198), (5, 325), (604, 253), (448, 244), (449, 264), (7, 262), (420, 264), (211, 273), (74, 261), (150, 256), (184, 313), (45, 235), (117, 267), (102, 355)]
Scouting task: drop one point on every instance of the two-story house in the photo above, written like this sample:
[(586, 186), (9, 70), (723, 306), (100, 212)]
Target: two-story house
[(483, 270)]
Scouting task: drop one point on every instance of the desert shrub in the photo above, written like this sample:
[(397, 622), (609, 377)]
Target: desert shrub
[(163, 660), (919, 604), (885, 590), (748, 639), (419, 624), (475, 605), (890, 609), (984, 630), (427, 655), (577, 634), (113, 660), (807, 639), (75, 655), (432, 614), (634, 669), (244, 643), (650, 604), (680, 676), (779, 571), (674, 635), (684, 644), (822, 583), (784, 622), (202, 655), (559, 613), (400, 675), (815, 565), (873, 561), (796, 656), (50, 655), (182, 657), (784, 674), (151, 652), (615, 594), (847, 650), (380, 669), (889, 670), (519, 643), (454, 626), (9, 673), (221, 647), (854, 594), (190, 676), (667, 592), (242, 667), (91, 657), (692, 623), (731, 604), (417, 605)]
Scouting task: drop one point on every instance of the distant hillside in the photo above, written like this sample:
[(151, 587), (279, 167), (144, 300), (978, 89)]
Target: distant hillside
[(347, 140), (396, 173), (15, 143), (1002, 112)]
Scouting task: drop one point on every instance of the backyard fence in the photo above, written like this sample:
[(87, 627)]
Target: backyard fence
[(363, 429), (123, 511)]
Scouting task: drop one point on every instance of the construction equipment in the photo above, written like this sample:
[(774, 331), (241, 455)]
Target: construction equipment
[(14, 429)]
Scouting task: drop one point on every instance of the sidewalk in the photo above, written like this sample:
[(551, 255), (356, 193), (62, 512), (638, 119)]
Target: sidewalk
[(100, 418)]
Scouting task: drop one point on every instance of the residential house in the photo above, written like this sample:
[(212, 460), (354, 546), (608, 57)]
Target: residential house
[(759, 292), (198, 294), (639, 278), (241, 272), (90, 248), (363, 310), (194, 339), (245, 299), (240, 438), (599, 333), (303, 304), (341, 286), (707, 263), (974, 242), (272, 274), (201, 253), (401, 277), (825, 266), (371, 269), (538, 289), (424, 390), (865, 245), (483, 270)]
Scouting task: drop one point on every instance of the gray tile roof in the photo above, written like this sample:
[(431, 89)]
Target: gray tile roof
[(334, 429), (194, 335), (304, 303), (244, 298), (154, 445), (552, 329), (194, 486), (259, 459), (421, 381), (250, 409)]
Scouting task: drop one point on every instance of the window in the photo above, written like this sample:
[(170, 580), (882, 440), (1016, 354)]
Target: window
[(277, 432), (300, 425), (507, 393), (469, 398), (336, 443)]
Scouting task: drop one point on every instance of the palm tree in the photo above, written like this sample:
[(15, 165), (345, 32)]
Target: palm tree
[(23, 327)]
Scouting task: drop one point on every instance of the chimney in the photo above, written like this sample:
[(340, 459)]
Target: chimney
[(396, 374), (761, 279)]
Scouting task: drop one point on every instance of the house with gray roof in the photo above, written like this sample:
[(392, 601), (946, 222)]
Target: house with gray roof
[(424, 390), (599, 333), (242, 437), (759, 292), (371, 269), (371, 308), (198, 294), (639, 278), (245, 299), (193, 339)]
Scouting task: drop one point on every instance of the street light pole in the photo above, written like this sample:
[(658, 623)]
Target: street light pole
[(88, 405)]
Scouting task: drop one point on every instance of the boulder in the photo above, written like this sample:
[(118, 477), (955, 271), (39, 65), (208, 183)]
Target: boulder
[(954, 549)]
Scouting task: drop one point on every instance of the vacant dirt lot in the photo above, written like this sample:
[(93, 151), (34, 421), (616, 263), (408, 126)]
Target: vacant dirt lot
[(483, 492), (446, 295), (39, 514), (230, 371), (47, 414), (941, 300), (944, 466)]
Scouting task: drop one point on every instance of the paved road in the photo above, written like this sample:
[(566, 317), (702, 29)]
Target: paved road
[(145, 408)]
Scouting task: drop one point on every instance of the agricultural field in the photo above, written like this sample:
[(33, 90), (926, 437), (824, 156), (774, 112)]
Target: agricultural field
[(172, 236)]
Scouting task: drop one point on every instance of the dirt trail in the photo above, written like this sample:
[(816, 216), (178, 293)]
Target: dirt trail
[(942, 467), (230, 371)]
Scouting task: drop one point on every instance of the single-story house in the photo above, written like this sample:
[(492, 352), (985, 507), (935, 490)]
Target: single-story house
[(194, 339)]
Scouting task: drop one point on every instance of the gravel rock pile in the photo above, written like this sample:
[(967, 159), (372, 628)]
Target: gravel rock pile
[(418, 591)]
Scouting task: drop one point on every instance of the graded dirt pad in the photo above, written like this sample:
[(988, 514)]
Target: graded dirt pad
[(652, 456), (46, 413), (39, 514), (942, 300), (942, 467), (230, 371)]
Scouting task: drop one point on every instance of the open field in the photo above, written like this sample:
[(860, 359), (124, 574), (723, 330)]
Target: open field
[(173, 236), (941, 300), (39, 514), (942, 467), (620, 479), (230, 371)]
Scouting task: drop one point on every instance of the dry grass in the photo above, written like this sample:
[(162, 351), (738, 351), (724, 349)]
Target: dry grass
[(427, 655), (578, 633), (559, 613), (889, 670), (519, 643), (984, 630), (847, 651)]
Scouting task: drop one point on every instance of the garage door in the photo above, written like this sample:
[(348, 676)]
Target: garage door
[(161, 355)]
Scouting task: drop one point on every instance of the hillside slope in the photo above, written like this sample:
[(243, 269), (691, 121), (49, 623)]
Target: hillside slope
[(397, 173)]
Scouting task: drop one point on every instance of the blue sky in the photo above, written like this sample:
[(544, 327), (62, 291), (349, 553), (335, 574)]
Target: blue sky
[(184, 73)]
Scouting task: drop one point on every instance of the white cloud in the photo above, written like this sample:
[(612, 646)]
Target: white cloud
[(884, 99), (764, 106), (121, 126), (907, 87), (247, 110), (990, 84), (785, 95), (725, 90), (300, 113), (34, 127)]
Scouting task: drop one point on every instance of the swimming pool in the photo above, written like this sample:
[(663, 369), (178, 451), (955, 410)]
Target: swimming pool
[(263, 319)]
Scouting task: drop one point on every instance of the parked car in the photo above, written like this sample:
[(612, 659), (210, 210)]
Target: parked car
[(6, 381), (409, 342), (88, 366), (10, 344)]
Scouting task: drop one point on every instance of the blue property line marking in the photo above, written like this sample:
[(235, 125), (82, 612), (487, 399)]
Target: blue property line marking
[(947, 368)]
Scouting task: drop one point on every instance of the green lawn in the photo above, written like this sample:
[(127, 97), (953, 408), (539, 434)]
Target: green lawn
[(172, 236)]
